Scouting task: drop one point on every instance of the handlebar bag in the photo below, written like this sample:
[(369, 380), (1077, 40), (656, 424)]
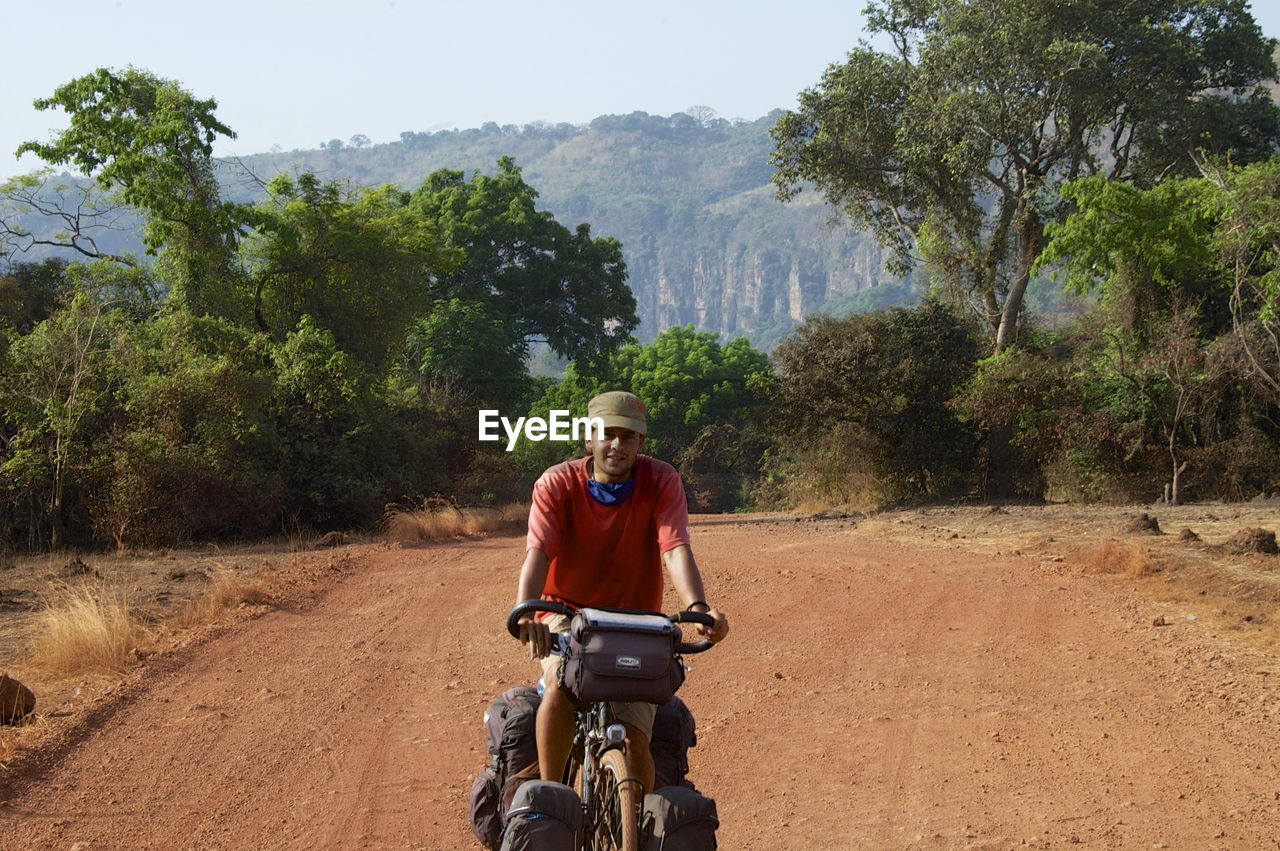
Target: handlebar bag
[(622, 656)]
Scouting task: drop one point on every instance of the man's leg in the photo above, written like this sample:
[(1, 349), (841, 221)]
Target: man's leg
[(554, 724), (639, 760), (637, 718)]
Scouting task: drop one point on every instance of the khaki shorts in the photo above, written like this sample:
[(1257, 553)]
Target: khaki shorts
[(639, 715)]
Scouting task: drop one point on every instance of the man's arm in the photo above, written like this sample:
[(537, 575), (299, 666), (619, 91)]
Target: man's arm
[(687, 580), (533, 578)]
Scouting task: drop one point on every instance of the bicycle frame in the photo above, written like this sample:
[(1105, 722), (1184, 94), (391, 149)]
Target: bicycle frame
[(595, 733)]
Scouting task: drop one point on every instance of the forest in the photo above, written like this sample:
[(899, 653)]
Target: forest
[(305, 355)]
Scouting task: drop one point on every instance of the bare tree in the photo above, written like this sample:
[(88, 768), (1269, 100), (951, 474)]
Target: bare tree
[(82, 210), (1175, 377), (704, 115)]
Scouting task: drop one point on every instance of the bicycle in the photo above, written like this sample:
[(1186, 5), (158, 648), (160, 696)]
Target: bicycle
[(611, 798)]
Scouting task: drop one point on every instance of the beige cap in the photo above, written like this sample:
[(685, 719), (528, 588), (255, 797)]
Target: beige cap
[(619, 409)]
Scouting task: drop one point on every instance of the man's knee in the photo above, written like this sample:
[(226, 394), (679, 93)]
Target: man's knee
[(556, 703), (554, 724)]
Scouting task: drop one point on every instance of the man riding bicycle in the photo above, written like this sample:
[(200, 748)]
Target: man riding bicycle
[(602, 528)]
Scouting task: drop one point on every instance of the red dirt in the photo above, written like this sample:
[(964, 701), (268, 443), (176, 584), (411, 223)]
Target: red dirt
[(875, 692)]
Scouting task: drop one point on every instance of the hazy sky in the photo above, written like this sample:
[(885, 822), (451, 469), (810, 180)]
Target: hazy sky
[(296, 73)]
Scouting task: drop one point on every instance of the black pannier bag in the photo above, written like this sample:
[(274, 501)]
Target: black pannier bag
[(625, 656), (512, 744), (544, 816), (513, 758), (674, 732), (676, 818)]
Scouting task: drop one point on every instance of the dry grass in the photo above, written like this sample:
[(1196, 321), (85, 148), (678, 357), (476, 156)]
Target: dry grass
[(83, 630), (437, 519), (14, 739), (8, 747), (226, 591), (68, 630), (1127, 560)]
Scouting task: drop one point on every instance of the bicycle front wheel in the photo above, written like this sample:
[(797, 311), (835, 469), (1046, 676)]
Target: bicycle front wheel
[(617, 796)]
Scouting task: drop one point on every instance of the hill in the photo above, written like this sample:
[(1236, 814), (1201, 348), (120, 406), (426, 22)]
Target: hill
[(705, 241), (704, 238)]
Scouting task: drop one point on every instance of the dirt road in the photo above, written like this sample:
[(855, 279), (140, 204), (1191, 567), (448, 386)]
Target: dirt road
[(875, 692)]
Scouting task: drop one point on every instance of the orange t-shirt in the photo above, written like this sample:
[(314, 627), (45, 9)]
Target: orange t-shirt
[(607, 555)]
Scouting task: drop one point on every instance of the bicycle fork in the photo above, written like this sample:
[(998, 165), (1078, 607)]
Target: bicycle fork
[(592, 744)]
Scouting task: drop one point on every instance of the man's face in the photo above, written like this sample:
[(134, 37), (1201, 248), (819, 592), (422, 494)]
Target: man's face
[(615, 453)]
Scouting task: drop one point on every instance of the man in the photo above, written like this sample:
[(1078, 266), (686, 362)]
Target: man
[(601, 529)]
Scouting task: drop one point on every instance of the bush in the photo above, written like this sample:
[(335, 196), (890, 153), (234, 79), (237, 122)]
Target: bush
[(878, 384), (837, 468), (721, 465), (184, 460)]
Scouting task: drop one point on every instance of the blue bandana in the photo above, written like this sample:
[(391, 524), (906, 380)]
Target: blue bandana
[(610, 493)]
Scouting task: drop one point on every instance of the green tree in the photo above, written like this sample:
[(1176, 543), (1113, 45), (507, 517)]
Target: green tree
[(352, 440), (189, 454), (532, 278), (29, 293), (1180, 265), (1211, 243), (954, 144), (323, 406), (1148, 250), (360, 263), (1245, 202), (700, 397), (467, 355), (689, 380), (55, 382), (150, 142)]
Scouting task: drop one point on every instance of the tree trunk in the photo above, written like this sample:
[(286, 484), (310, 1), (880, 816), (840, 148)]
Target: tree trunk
[(1176, 491), (1030, 243), (1001, 458), (1008, 330)]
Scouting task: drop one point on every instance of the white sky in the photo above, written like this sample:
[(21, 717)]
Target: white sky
[(296, 73)]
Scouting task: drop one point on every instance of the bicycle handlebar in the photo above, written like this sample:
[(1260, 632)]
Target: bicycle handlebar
[(529, 607), (699, 618), (532, 606)]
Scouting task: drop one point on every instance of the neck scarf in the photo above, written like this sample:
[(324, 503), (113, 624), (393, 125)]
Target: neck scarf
[(610, 493)]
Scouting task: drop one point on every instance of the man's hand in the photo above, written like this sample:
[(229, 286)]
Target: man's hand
[(535, 633), (717, 632)]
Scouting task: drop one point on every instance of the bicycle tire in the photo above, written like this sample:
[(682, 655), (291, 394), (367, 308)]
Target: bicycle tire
[(617, 823)]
